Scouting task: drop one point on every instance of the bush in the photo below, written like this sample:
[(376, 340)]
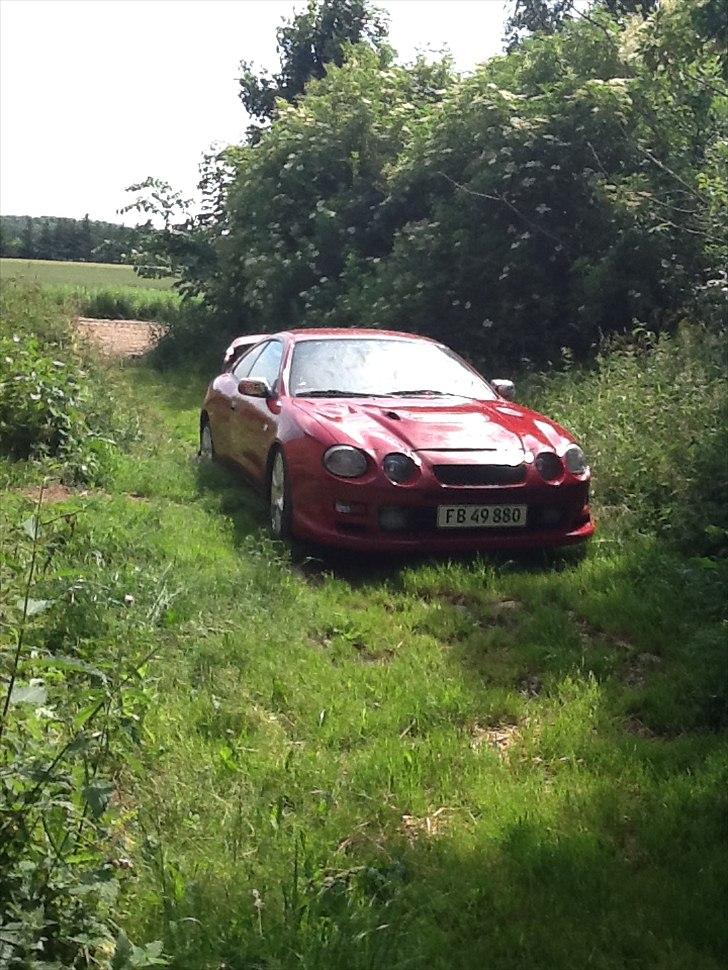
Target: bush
[(570, 189), (53, 407), (651, 415), (69, 714)]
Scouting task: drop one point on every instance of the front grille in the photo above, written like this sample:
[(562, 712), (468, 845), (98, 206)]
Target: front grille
[(480, 474)]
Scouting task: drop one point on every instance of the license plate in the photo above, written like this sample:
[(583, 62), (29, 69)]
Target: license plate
[(481, 516)]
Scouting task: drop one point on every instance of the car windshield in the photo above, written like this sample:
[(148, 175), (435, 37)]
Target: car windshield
[(377, 367)]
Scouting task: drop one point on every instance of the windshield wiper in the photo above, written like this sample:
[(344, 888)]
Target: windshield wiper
[(331, 392), (417, 392)]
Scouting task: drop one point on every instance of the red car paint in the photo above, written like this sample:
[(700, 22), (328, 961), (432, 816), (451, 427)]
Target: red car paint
[(446, 437)]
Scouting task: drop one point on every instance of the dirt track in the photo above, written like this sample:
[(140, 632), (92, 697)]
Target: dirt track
[(120, 338)]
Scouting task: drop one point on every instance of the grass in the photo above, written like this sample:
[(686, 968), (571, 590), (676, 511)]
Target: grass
[(429, 764), (99, 290), (86, 275)]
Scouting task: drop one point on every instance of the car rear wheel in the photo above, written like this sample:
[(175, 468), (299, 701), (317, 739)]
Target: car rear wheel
[(279, 495), (207, 448)]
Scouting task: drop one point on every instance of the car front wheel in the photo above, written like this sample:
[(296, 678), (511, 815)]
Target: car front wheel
[(280, 510)]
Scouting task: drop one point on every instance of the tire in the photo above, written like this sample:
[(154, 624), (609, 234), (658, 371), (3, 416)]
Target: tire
[(207, 448), (280, 509)]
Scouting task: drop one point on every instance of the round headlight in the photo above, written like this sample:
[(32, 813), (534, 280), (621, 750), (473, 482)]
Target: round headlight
[(575, 460), (345, 461), (549, 466), (398, 468)]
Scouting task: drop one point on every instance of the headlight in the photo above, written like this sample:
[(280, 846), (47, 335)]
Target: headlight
[(575, 460), (345, 461), (549, 466), (399, 468)]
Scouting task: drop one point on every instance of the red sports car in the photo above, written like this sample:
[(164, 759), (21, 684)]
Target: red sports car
[(375, 440)]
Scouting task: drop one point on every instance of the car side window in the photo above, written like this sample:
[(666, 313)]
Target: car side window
[(243, 366), (268, 364)]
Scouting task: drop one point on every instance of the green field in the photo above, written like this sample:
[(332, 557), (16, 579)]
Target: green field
[(93, 275), (108, 291)]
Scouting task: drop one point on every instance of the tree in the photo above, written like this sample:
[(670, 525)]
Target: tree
[(530, 17), (306, 44), (85, 241), (27, 244), (570, 189), (44, 247)]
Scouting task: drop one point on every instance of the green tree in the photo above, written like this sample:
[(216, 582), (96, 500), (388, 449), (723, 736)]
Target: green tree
[(27, 240), (307, 43), (530, 17), (85, 241), (571, 188), (44, 247), (306, 210)]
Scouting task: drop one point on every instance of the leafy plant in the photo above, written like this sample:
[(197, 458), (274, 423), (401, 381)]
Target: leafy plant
[(652, 414), (52, 406), (65, 719)]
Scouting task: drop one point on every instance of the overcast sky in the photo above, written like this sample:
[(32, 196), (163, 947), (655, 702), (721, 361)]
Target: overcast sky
[(97, 94)]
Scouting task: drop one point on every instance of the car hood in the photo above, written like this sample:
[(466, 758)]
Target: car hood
[(506, 429)]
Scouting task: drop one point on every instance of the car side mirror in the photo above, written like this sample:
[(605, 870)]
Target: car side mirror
[(255, 388), (506, 389)]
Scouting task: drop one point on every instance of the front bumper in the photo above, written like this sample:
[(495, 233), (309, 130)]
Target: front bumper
[(347, 514)]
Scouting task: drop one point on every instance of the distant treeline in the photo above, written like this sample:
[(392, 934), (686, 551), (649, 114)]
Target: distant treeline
[(83, 240)]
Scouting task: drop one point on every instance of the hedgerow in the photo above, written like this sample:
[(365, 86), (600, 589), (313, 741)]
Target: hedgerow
[(568, 190), (55, 408)]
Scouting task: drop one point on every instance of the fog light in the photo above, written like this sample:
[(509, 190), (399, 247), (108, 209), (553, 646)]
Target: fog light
[(393, 519)]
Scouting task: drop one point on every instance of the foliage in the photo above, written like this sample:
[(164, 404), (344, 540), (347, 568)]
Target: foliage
[(570, 189), (538, 208), (121, 302), (68, 712), (528, 17), (652, 414), (53, 408), (308, 43), (305, 208)]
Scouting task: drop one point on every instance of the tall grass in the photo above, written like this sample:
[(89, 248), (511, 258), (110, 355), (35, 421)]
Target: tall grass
[(653, 416), (120, 302), (104, 290)]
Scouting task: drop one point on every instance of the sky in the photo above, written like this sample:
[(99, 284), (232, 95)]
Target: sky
[(98, 94)]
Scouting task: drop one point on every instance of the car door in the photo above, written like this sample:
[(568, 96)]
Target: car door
[(254, 420), (223, 402)]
